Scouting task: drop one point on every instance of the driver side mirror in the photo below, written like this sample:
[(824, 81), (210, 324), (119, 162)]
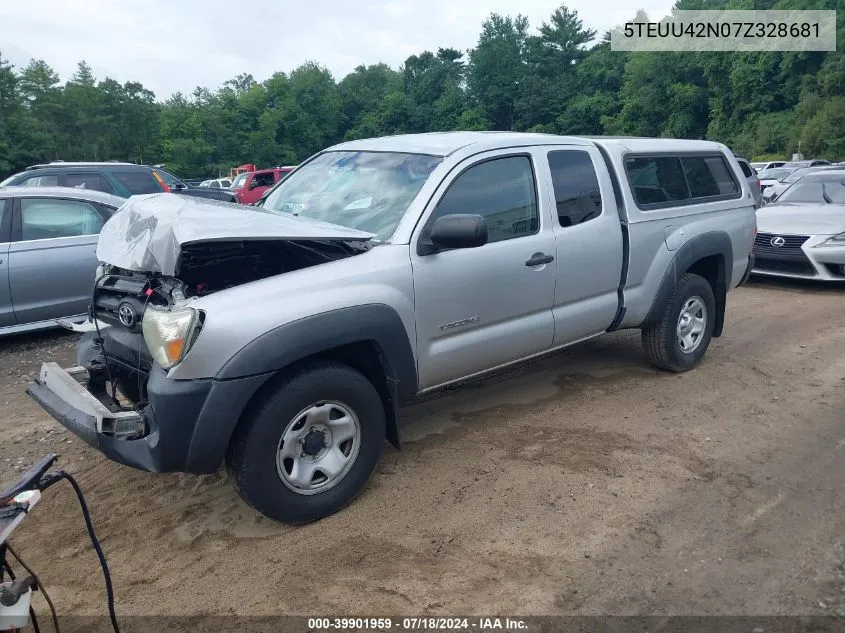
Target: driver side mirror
[(254, 184), (461, 230), (179, 186)]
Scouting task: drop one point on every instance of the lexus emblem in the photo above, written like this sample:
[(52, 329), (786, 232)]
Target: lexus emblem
[(777, 241), (126, 314)]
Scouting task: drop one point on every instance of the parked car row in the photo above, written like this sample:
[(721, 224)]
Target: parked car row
[(51, 215), (248, 187), (120, 179), (217, 183)]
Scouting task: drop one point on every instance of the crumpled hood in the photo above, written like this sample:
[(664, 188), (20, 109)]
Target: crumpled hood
[(801, 219), (147, 233)]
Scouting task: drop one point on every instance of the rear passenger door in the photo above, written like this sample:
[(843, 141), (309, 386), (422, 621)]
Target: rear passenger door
[(7, 313), (588, 242), (52, 257)]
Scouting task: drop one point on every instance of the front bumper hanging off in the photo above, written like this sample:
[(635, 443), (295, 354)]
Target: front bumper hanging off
[(131, 437), (185, 426)]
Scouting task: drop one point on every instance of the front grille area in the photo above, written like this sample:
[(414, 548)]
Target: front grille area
[(784, 267), (787, 258)]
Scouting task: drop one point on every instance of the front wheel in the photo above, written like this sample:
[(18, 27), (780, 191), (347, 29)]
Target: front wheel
[(310, 445), (678, 341)]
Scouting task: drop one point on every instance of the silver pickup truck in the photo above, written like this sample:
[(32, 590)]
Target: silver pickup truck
[(283, 339)]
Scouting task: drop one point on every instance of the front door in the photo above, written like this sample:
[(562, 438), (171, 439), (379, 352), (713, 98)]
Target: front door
[(479, 308), (52, 258)]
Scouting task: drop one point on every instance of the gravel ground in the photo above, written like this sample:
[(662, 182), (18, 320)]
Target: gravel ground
[(584, 483)]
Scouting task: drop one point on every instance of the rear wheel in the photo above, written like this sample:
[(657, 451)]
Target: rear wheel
[(678, 341), (310, 444)]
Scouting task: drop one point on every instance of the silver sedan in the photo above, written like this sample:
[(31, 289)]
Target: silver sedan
[(48, 241), (802, 234)]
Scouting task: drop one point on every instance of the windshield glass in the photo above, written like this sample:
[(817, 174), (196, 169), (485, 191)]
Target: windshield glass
[(827, 190), (777, 173), (239, 181), (368, 191), (8, 180), (798, 173)]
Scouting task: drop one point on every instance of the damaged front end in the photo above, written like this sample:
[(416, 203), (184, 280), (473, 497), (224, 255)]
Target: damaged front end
[(162, 253)]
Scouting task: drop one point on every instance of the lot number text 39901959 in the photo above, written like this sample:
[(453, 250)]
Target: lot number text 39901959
[(418, 624)]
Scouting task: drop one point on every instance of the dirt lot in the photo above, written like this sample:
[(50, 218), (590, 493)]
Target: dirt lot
[(586, 483)]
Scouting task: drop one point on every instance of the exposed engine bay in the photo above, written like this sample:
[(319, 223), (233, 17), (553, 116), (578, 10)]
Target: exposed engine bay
[(121, 297)]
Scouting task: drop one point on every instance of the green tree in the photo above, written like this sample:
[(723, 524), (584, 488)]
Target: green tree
[(552, 59), (497, 68)]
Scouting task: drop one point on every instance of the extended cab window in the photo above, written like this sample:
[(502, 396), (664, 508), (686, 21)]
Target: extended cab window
[(656, 179), (49, 218), (502, 190), (576, 187), (664, 180), (709, 176)]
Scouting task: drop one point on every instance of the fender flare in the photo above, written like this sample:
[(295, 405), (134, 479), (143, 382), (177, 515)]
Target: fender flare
[(696, 249), (288, 343), (255, 363)]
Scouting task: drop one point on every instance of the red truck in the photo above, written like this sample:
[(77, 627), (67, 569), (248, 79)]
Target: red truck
[(248, 187)]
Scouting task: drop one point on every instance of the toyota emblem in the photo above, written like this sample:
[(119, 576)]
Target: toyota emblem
[(777, 241), (126, 314)]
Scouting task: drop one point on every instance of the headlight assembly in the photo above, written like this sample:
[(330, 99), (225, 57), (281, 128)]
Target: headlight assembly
[(836, 240), (169, 333)]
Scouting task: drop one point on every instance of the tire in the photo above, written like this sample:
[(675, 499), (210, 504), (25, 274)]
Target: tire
[(662, 341), (259, 458)]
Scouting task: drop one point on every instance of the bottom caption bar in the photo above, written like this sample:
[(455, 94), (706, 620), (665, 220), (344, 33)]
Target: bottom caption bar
[(525, 624)]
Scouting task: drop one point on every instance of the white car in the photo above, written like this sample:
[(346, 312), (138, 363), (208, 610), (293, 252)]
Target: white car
[(219, 183), (802, 234), (770, 165), (774, 190), (772, 176)]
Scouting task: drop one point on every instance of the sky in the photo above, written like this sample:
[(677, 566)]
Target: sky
[(176, 45)]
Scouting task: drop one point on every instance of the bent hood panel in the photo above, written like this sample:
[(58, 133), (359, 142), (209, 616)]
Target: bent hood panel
[(147, 233)]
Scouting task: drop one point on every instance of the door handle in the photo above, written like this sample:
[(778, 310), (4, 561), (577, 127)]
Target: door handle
[(538, 259)]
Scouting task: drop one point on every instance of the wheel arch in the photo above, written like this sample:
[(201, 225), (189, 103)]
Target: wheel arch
[(709, 255), (369, 338)]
